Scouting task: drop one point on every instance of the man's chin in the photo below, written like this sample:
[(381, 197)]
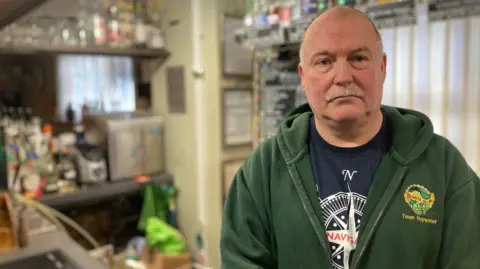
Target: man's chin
[(347, 114)]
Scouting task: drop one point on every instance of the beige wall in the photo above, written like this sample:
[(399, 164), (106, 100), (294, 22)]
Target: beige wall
[(181, 132), (180, 144)]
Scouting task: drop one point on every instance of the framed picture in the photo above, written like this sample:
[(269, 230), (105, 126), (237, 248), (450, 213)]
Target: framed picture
[(229, 170), (237, 60), (237, 117)]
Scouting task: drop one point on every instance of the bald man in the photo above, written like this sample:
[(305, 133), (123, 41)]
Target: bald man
[(347, 183)]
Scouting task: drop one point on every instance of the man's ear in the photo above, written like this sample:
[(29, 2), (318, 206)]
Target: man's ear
[(384, 66), (300, 73)]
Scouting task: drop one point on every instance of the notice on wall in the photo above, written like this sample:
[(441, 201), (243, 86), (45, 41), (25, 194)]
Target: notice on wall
[(237, 60), (278, 102), (237, 117), (176, 89)]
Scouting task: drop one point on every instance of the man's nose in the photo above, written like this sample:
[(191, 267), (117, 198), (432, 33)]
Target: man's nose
[(343, 73)]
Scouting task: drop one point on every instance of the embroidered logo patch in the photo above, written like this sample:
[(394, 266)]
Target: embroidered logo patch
[(419, 198)]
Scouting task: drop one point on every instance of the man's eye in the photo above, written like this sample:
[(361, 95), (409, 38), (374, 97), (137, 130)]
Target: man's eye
[(323, 62), (358, 59)]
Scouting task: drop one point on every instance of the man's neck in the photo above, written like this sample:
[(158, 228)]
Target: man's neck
[(351, 134)]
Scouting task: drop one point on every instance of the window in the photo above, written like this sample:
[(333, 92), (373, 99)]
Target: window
[(103, 83)]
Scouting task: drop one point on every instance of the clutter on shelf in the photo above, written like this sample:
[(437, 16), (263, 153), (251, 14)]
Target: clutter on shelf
[(119, 24), (38, 162), (278, 22)]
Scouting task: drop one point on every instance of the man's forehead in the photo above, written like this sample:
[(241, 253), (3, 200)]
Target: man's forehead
[(346, 20), (355, 28), (337, 26), (339, 36)]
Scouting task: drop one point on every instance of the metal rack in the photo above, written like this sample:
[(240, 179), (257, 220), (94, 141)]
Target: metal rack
[(394, 14), (274, 78)]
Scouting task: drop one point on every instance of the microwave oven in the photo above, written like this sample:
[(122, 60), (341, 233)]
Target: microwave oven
[(134, 144)]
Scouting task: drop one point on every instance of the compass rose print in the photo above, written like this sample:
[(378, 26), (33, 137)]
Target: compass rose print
[(342, 216)]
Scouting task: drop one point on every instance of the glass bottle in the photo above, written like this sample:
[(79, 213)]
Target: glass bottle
[(98, 22), (296, 10), (309, 6), (285, 11), (156, 34), (126, 22), (322, 5), (84, 35), (114, 35), (249, 8), (141, 23), (260, 13)]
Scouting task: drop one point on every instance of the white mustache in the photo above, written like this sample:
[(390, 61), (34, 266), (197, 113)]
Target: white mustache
[(342, 92)]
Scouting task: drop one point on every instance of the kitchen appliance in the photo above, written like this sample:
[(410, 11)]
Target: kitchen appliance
[(133, 142), (90, 163)]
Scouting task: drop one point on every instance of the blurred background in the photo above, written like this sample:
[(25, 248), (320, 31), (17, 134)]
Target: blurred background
[(123, 122)]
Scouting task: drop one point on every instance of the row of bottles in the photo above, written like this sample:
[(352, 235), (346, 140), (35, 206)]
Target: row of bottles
[(98, 23), (268, 12), (122, 23), (37, 161)]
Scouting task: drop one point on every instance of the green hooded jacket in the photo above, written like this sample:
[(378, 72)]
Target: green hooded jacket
[(422, 211)]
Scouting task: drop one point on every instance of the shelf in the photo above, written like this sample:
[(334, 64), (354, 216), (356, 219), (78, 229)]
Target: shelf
[(388, 15), (99, 193), (267, 36), (138, 53), (11, 10)]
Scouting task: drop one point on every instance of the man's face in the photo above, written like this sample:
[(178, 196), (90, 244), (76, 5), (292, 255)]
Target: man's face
[(343, 68)]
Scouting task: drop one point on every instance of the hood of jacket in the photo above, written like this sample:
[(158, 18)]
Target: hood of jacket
[(412, 132)]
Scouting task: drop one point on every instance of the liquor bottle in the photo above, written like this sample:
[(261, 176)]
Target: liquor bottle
[(113, 25), (157, 39), (309, 6), (260, 13), (322, 5), (296, 9), (285, 15), (126, 16), (248, 19), (98, 23), (141, 23)]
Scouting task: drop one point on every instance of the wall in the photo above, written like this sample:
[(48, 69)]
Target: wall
[(234, 8), (180, 143), (193, 140)]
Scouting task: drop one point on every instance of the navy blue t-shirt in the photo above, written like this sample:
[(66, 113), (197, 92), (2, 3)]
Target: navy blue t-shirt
[(343, 177)]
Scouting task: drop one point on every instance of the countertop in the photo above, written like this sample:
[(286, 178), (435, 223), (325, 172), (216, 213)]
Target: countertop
[(50, 241), (100, 192), (44, 237)]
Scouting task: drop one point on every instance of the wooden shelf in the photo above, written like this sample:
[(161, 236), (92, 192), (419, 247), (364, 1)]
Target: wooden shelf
[(13, 10), (100, 192), (138, 53)]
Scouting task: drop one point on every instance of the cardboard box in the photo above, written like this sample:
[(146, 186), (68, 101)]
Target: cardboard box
[(8, 226), (156, 260)]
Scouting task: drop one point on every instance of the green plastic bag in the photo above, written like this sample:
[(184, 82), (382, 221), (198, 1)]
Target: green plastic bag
[(164, 238), (155, 204)]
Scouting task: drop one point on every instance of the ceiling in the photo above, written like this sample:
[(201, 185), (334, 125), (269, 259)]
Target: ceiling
[(57, 8)]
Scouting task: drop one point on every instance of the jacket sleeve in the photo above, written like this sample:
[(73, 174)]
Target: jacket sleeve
[(460, 247), (245, 242)]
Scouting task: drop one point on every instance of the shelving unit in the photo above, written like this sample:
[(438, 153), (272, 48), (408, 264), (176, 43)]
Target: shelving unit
[(394, 14), (14, 10), (276, 94)]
